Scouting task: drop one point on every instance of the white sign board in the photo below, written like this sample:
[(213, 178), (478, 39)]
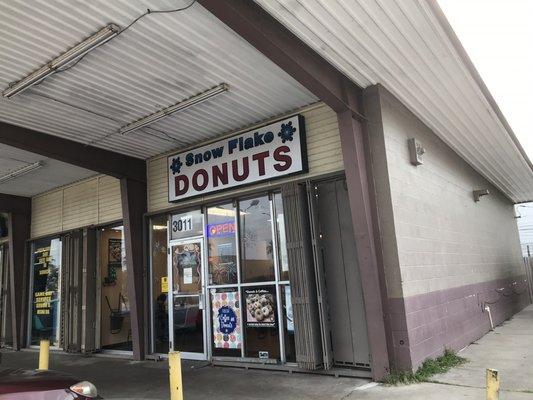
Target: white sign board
[(266, 153)]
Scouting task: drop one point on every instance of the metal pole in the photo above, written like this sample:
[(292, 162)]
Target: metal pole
[(44, 354), (493, 384), (174, 365)]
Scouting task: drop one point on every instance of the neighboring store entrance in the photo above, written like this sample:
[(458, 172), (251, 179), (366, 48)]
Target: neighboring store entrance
[(345, 320), (114, 325)]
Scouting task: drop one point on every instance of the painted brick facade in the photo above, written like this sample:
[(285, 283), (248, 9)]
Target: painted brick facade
[(445, 256)]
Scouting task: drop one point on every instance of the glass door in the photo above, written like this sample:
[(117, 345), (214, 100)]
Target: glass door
[(186, 315)]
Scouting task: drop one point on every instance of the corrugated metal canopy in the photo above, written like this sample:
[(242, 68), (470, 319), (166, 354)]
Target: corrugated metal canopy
[(409, 48), (160, 60), (52, 174), (165, 58)]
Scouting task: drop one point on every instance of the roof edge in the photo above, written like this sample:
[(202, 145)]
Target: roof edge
[(446, 26)]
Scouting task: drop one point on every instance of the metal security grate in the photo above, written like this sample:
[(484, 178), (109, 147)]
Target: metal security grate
[(301, 271)]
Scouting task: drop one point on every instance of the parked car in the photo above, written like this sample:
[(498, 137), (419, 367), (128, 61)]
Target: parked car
[(24, 384)]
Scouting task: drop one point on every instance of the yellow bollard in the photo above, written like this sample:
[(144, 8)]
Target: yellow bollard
[(174, 366), (493, 384), (44, 354)]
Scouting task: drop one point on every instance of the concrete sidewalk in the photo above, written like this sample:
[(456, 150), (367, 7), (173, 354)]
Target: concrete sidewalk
[(509, 349)]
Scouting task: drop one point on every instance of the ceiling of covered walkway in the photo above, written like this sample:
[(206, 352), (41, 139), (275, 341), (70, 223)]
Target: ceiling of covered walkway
[(160, 60), (165, 58)]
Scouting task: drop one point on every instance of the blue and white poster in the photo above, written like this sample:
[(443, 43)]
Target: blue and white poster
[(227, 330)]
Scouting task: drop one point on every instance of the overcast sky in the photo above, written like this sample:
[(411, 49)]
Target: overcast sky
[(498, 36)]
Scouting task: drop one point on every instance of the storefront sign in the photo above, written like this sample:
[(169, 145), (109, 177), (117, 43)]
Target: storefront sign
[(226, 326), (270, 152), (260, 307)]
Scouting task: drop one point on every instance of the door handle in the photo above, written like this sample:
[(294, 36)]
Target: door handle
[(201, 301)]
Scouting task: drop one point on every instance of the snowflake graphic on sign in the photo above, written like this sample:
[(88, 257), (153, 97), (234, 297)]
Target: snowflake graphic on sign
[(287, 130), (176, 165)]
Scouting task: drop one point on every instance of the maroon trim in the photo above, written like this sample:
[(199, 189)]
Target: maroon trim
[(16, 204), (352, 143), (85, 156), (426, 324), (19, 232), (18, 211), (133, 194), (286, 50), (369, 111)]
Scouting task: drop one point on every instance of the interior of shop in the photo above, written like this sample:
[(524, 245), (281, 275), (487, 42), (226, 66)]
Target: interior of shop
[(115, 320)]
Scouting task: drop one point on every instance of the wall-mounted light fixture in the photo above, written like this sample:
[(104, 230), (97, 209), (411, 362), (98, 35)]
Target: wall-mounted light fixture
[(480, 193), (21, 171), (182, 105), (416, 151), (97, 39)]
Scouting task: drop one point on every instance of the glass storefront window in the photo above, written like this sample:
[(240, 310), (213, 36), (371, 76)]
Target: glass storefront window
[(282, 241), (248, 301), (221, 242), (188, 324), (226, 322), (257, 250), (159, 239), (187, 267), (288, 325), (261, 322), (46, 283), (115, 318)]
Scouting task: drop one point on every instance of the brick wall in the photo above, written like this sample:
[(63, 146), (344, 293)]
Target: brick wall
[(445, 255)]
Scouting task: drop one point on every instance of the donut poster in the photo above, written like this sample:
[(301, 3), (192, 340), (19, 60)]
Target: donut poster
[(227, 331), (260, 307)]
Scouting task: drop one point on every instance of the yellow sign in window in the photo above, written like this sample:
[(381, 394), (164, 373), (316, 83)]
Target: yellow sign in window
[(164, 284)]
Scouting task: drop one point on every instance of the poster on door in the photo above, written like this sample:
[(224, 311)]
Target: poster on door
[(227, 331), (260, 307)]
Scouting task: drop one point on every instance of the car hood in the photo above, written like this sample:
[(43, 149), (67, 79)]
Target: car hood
[(14, 380)]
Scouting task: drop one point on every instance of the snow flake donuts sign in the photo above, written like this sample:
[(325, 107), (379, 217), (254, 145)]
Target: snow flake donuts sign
[(270, 152)]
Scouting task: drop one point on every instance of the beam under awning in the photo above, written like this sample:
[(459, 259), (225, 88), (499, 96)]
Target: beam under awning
[(286, 50), (14, 204), (93, 158), (18, 210)]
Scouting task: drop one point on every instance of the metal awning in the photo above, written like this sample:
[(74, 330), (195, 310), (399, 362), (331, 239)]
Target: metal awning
[(159, 61), (164, 58), (409, 47)]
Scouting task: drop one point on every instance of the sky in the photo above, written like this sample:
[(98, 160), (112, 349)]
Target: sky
[(498, 37)]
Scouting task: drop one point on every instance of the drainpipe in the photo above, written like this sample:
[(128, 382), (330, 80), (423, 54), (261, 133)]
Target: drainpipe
[(487, 309)]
